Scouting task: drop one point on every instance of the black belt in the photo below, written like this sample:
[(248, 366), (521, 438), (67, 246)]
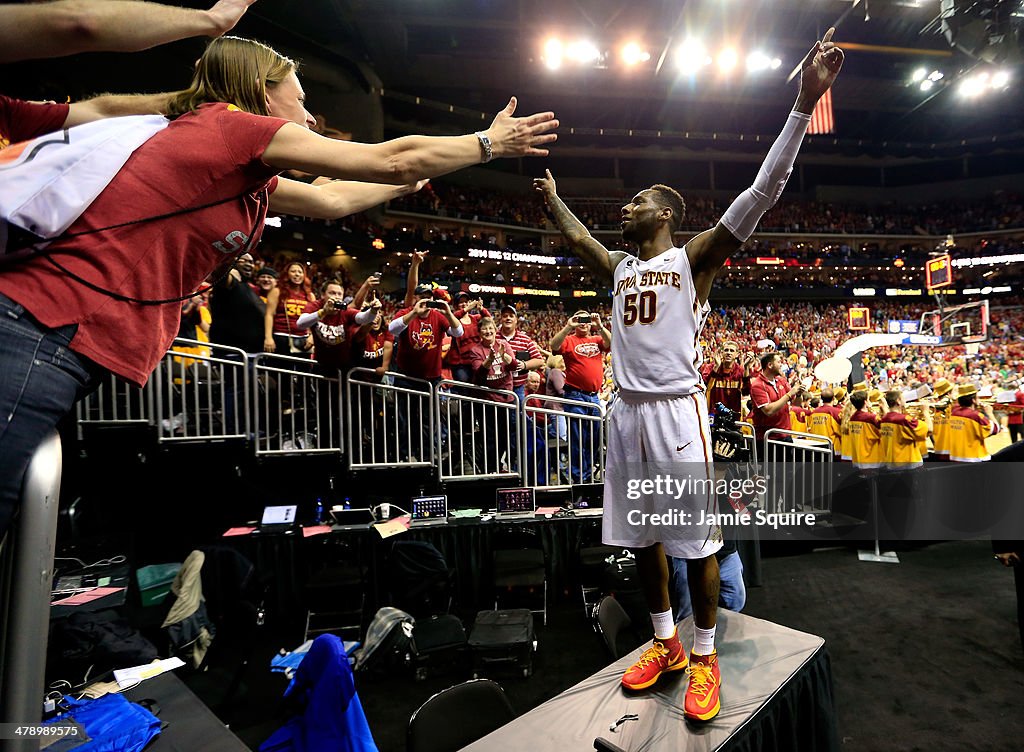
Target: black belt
[(581, 391)]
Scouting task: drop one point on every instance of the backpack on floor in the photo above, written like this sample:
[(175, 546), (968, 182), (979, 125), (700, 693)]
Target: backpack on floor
[(388, 642)]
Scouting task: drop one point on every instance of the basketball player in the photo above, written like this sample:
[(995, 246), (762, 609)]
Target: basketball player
[(659, 307)]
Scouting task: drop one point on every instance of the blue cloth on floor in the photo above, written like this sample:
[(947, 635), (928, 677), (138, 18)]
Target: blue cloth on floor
[(330, 717)]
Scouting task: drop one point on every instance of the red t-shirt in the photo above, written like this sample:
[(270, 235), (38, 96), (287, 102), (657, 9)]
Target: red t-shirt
[(763, 391), (330, 335), (584, 362), (200, 158), (21, 121), (419, 346), (458, 355), (291, 304), (368, 349), (499, 374), (725, 385), (1015, 418)]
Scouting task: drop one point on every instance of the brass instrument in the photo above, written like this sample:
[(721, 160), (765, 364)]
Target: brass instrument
[(1003, 407)]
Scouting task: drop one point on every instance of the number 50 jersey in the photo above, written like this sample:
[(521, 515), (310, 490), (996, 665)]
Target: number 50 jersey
[(656, 325)]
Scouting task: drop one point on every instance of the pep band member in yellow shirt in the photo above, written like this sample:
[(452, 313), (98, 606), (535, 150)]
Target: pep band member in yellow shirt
[(798, 413), (825, 420), (940, 420), (968, 428), (865, 450), (900, 437)]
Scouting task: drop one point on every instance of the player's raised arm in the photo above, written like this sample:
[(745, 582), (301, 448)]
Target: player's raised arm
[(598, 258), (709, 250)]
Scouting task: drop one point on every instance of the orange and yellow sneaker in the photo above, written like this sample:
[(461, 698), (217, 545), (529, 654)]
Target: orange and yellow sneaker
[(662, 656), (701, 703)]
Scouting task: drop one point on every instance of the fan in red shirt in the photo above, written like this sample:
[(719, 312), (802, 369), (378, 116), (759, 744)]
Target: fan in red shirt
[(470, 312), (771, 394), (371, 346), (330, 320), (1015, 421), (584, 374), (726, 378), (107, 294), (420, 331), (492, 362), (285, 304)]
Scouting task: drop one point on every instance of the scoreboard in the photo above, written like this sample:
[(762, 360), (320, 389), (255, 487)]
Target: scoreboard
[(938, 272)]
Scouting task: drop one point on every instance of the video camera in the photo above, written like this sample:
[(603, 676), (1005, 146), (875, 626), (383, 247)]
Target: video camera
[(727, 441)]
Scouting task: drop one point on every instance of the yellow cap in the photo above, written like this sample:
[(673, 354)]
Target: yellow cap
[(941, 388), (966, 390)]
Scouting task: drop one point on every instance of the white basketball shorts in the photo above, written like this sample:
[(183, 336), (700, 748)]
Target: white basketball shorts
[(646, 436)]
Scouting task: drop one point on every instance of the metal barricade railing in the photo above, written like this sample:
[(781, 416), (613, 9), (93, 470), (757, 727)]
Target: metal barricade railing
[(200, 393), (749, 439), (296, 409), (478, 436), (390, 420), (115, 402), (563, 448), (799, 468)]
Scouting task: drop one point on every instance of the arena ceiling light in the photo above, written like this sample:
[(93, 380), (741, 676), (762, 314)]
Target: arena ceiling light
[(634, 54), (553, 54), (727, 59), (758, 61), (583, 51), (692, 56)]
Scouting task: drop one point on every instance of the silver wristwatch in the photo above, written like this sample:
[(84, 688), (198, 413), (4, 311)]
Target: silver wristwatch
[(485, 144)]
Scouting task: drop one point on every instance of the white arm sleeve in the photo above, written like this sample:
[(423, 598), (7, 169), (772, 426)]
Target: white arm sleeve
[(457, 332), (365, 317), (398, 326), (742, 216), (306, 320)]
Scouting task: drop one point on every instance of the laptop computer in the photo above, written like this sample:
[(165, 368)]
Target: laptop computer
[(278, 519), (515, 503), (351, 519), (429, 510), (588, 504)]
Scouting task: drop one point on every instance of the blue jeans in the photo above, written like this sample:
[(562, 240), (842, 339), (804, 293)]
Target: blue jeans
[(732, 593), (41, 382), (581, 459)]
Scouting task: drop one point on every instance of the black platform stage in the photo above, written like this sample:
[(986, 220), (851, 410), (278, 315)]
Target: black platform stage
[(776, 695), (189, 726)]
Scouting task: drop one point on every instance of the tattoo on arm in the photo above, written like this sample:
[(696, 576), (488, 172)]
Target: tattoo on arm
[(583, 244)]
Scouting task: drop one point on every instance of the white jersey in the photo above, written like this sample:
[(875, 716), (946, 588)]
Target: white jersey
[(656, 325)]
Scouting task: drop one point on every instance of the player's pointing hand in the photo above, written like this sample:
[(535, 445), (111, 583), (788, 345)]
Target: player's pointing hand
[(820, 67)]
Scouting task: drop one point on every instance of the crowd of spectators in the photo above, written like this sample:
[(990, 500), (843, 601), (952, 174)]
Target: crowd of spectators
[(999, 211)]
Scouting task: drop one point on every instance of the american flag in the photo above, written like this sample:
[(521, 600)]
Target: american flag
[(821, 119)]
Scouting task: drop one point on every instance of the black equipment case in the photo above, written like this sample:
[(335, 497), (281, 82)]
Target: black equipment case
[(437, 642), (503, 638)]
